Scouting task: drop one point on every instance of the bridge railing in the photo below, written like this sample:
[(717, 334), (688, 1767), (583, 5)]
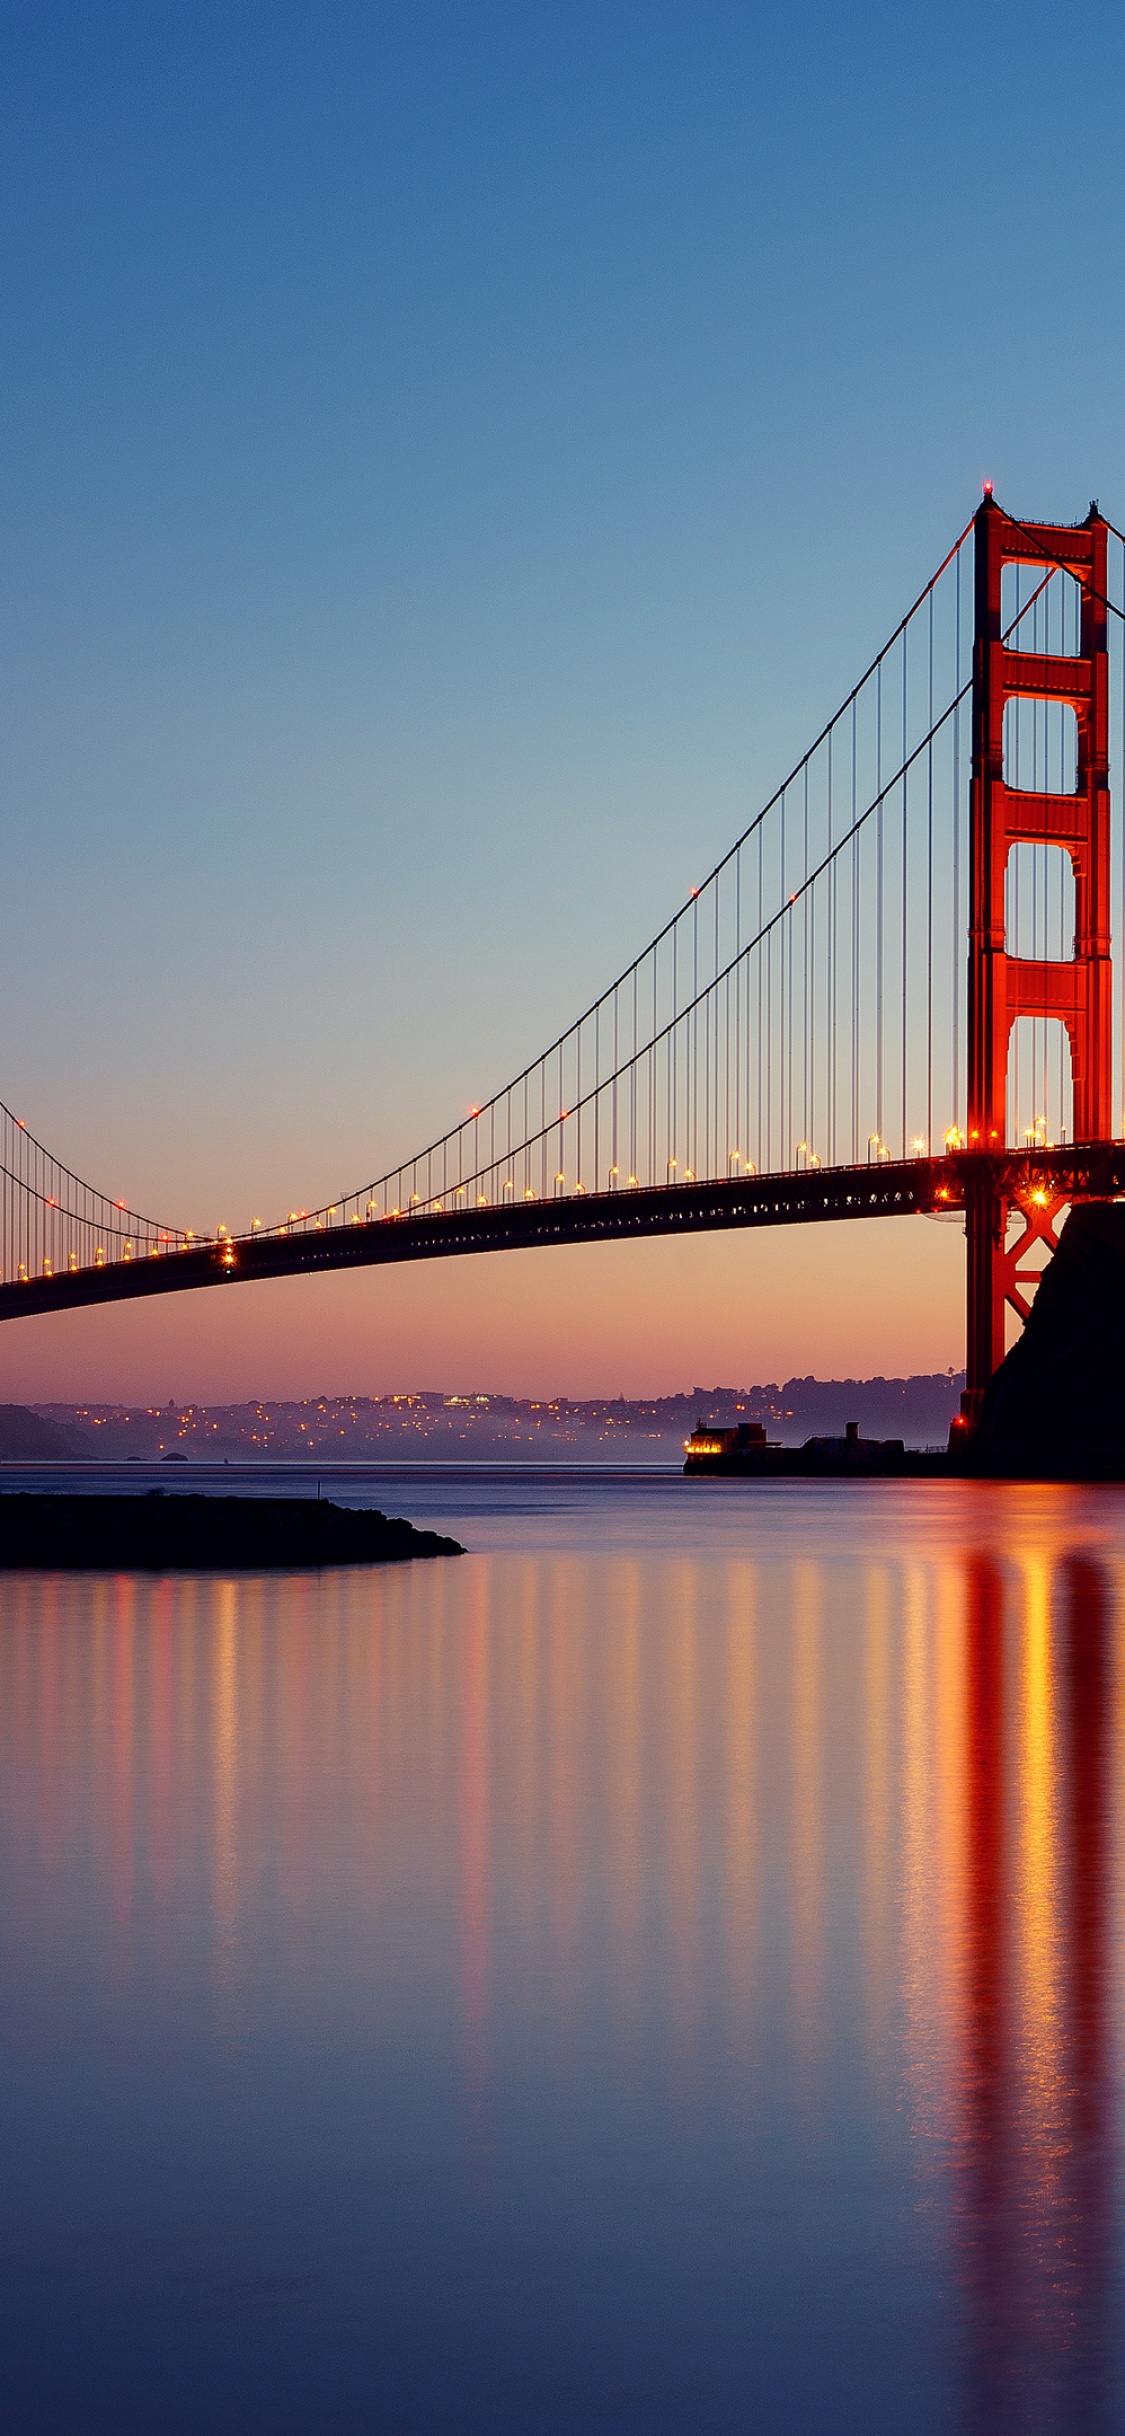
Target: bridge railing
[(51, 1221)]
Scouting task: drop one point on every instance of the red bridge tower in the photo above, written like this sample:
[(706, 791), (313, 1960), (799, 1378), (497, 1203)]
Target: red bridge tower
[(1002, 987)]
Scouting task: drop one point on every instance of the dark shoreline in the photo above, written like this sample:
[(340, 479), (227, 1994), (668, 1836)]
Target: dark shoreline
[(177, 1533), (792, 1463)]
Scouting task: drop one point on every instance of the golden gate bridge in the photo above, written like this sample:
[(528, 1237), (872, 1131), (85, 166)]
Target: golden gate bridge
[(895, 995)]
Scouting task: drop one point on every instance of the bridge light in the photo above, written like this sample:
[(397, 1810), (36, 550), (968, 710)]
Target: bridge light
[(563, 1115), (918, 1142), (474, 1112), (99, 1257), (954, 1138), (632, 1180), (73, 1262), (1039, 1197), (527, 1193), (51, 1203), (47, 1269)]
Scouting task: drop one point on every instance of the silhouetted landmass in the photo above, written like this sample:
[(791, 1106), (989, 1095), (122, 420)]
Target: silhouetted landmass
[(429, 1424), (1056, 1407), (30, 1437), (161, 1533)]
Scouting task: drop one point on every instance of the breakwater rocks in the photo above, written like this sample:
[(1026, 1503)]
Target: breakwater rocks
[(159, 1533)]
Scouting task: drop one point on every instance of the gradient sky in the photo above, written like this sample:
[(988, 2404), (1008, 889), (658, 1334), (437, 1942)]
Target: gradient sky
[(451, 459)]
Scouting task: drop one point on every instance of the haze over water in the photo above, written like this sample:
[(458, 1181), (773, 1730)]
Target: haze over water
[(663, 1971)]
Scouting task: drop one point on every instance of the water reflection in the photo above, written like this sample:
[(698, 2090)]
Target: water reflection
[(792, 1880)]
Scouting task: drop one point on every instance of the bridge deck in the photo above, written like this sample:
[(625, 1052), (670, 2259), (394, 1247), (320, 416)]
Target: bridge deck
[(890, 1189)]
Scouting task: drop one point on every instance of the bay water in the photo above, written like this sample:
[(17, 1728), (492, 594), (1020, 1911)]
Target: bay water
[(662, 1971)]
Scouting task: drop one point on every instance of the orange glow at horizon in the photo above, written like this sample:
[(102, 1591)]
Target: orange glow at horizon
[(654, 1317)]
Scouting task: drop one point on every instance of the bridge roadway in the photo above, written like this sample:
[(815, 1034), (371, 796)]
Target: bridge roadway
[(890, 1189)]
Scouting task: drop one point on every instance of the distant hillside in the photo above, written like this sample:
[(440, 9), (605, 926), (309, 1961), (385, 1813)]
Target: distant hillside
[(27, 1437), (428, 1425)]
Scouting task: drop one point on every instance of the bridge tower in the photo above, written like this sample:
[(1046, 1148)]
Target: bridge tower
[(1002, 987)]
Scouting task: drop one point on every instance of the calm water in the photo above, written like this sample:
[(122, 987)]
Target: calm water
[(664, 1971)]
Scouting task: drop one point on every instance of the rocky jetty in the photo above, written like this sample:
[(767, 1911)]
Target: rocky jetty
[(1056, 1407), (158, 1534)]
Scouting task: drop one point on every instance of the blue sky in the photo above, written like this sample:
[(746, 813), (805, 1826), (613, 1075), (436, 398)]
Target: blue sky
[(451, 458)]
